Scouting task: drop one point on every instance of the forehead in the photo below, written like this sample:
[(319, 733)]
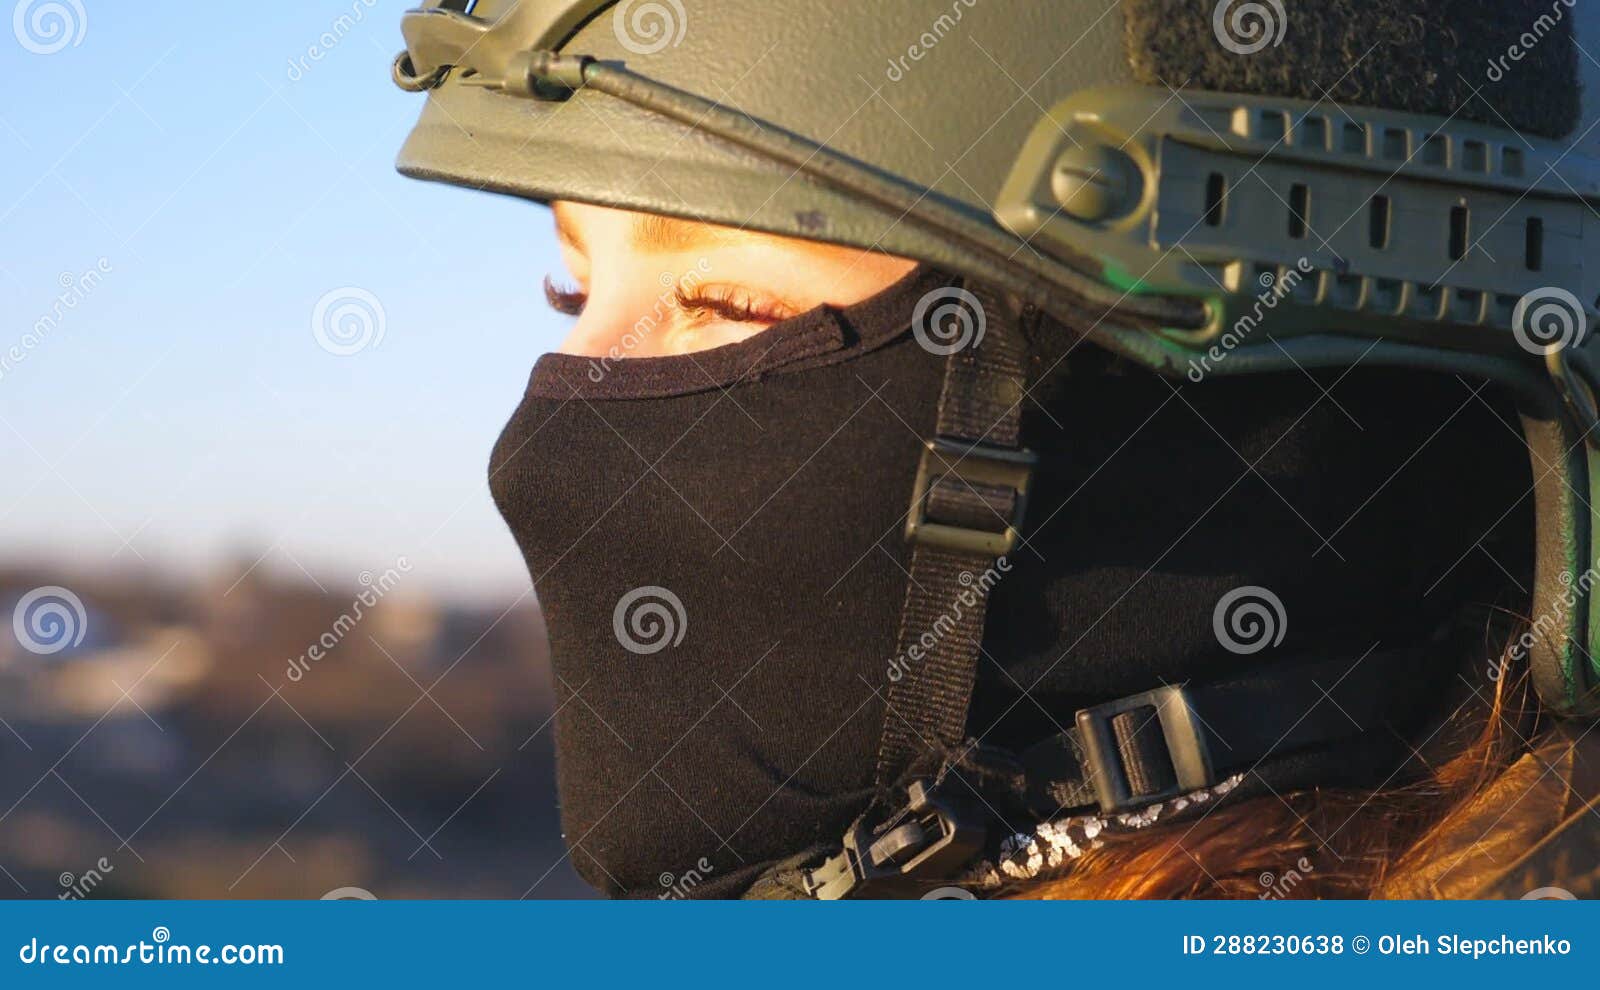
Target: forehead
[(577, 225)]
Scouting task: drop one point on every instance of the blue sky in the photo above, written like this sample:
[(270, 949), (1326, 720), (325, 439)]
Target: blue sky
[(218, 181)]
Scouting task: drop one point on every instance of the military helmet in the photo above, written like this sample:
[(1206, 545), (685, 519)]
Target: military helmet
[(1226, 187)]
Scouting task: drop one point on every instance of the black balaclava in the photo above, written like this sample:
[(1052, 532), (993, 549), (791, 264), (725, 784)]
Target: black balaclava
[(717, 542)]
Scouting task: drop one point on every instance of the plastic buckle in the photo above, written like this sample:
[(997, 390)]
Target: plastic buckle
[(1184, 736), (936, 839), (969, 463)]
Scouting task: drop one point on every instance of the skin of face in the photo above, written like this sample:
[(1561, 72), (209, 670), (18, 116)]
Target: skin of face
[(649, 286)]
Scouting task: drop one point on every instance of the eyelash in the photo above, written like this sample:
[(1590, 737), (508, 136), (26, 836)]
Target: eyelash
[(564, 300), (725, 302), (730, 303)]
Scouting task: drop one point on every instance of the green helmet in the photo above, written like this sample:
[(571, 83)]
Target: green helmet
[(1180, 178)]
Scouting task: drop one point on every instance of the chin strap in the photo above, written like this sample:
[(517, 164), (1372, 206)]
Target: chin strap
[(966, 509), (1127, 755), (967, 506)]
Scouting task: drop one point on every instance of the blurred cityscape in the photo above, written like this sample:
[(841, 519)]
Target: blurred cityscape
[(265, 737)]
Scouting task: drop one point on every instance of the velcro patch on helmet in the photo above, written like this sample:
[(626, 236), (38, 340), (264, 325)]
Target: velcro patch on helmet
[(1509, 63)]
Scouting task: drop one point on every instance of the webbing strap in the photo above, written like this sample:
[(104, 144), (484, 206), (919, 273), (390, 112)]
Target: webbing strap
[(969, 498), (1126, 754), (1182, 738)]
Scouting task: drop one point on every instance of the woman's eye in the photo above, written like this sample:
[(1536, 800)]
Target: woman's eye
[(732, 303), (564, 299)]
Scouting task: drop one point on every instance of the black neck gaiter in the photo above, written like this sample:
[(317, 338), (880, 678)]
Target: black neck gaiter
[(716, 540)]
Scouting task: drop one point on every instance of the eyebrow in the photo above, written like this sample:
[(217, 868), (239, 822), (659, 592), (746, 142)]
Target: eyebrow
[(653, 233)]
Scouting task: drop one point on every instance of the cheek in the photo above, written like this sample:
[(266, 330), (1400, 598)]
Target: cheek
[(623, 325), (702, 338), (649, 332)]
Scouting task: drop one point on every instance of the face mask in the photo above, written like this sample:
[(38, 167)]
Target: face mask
[(713, 543), (717, 542)]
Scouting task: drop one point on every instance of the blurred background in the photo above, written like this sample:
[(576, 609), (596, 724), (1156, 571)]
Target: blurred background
[(262, 633)]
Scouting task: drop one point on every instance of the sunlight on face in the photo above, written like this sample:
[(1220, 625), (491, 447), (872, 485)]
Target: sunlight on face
[(646, 285)]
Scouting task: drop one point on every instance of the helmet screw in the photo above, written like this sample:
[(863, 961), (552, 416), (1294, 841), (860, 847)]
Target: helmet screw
[(1093, 182)]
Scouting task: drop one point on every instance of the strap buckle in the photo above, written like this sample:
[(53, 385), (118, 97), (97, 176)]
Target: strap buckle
[(968, 464), (1182, 735), (937, 838)]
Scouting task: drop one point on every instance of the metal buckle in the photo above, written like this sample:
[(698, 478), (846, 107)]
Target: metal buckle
[(936, 839), (1185, 739), (969, 463)]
